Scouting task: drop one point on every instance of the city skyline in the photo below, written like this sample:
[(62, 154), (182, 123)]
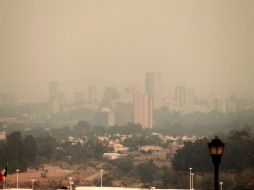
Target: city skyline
[(169, 92), (128, 94)]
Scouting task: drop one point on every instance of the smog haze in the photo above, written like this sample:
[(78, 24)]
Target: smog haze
[(206, 44)]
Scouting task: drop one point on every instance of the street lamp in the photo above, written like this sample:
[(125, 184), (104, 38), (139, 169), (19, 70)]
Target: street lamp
[(221, 183), (32, 180), (192, 184), (190, 178), (70, 182), (17, 170), (101, 177), (216, 147)]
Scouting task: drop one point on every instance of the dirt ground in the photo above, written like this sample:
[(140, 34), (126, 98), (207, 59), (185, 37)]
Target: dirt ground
[(54, 176), (42, 176)]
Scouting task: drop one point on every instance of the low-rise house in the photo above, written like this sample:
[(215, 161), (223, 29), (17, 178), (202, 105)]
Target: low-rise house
[(111, 155)]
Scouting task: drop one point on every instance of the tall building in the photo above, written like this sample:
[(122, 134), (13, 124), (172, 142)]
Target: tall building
[(129, 91), (110, 94), (57, 100), (217, 103), (143, 112), (184, 96), (105, 117), (153, 86), (92, 97), (180, 95), (170, 105), (53, 91), (123, 111)]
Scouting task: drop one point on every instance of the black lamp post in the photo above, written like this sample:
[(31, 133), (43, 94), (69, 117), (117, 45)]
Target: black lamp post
[(216, 147)]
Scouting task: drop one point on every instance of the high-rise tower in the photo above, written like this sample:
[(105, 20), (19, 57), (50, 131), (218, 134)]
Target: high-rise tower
[(143, 112), (153, 86), (92, 95), (184, 96), (53, 91)]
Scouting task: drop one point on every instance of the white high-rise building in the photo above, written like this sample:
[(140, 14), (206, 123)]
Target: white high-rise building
[(153, 85), (57, 100), (143, 112)]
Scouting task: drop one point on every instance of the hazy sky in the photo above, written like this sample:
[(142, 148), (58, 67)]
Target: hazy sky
[(206, 44)]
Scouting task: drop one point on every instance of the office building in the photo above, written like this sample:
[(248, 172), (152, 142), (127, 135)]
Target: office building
[(110, 93), (53, 91), (153, 85), (217, 104), (92, 96), (57, 100), (184, 97), (105, 117), (143, 112), (123, 111)]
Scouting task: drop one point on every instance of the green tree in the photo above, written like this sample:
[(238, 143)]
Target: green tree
[(30, 148), (146, 172), (166, 178), (193, 154), (125, 164), (240, 143), (14, 146), (46, 146)]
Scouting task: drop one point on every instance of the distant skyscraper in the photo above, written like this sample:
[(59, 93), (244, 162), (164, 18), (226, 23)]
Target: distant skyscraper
[(105, 117), (180, 95), (143, 113), (184, 96), (110, 93), (53, 91), (217, 103), (123, 111), (129, 91), (57, 99), (191, 97), (92, 97), (153, 85)]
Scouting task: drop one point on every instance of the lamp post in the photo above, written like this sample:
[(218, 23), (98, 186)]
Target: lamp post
[(192, 181), (101, 177), (17, 170), (32, 180), (221, 183), (216, 147), (190, 178), (70, 182)]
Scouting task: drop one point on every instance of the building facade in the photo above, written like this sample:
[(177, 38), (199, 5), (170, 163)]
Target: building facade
[(153, 85), (143, 112)]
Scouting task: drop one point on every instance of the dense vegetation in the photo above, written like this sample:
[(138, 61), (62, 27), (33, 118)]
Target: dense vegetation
[(18, 152), (202, 124), (21, 153), (165, 122), (238, 158)]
